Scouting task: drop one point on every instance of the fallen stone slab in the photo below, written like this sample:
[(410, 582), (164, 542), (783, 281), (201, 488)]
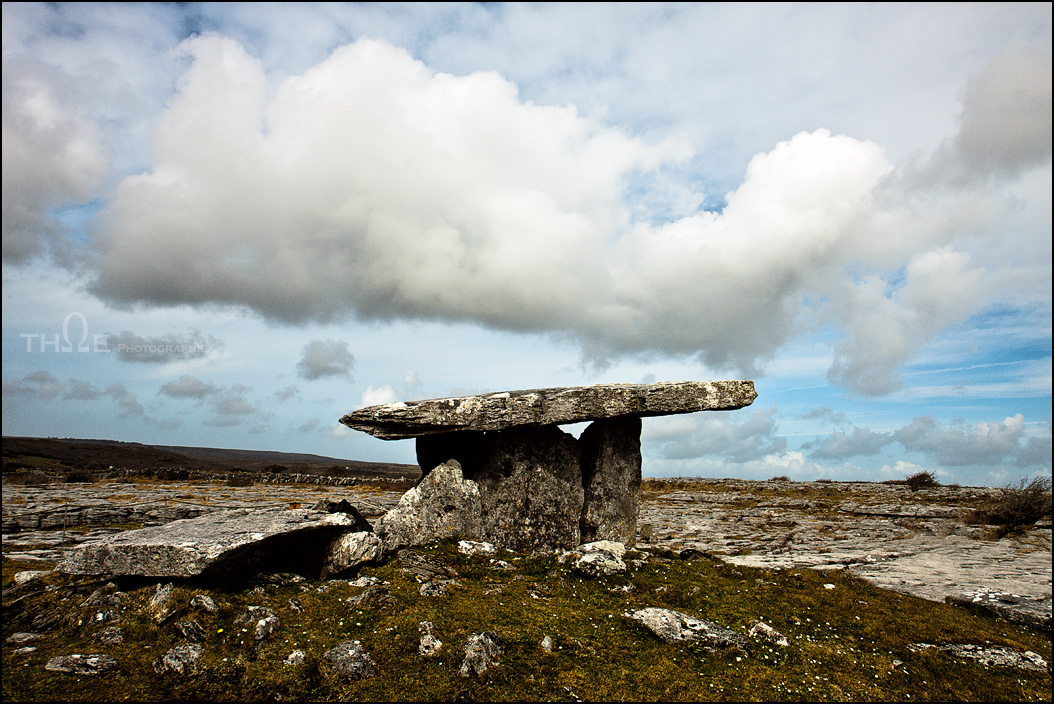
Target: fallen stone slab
[(998, 655), (554, 406), (214, 544), (77, 664), (673, 626), (1013, 607)]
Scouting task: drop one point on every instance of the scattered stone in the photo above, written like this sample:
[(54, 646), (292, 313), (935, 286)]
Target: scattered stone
[(216, 543), (263, 621), (996, 655), (204, 602), (279, 578), (598, 564), (297, 657), (77, 664), (26, 576), (425, 567), (107, 595), (443, 504), (351, 550), (673, 626), (376, 597), (180, 660), (27, 650), (553, 406), (161, 607), (475, 547), (17, 638), (438, 588), (501, 565), (607, 547), (191, 630), (350, 660), (481, 650), (366, 581), (763, 630), (430, 644), (547, 644), (111, 635)]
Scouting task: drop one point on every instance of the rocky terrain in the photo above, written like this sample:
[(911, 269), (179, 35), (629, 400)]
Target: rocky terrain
[(748, 590), (913, 542)]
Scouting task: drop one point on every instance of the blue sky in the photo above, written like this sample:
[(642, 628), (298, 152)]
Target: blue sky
[(230, 224)]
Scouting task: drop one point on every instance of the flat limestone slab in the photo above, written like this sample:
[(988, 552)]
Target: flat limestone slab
[(218, 542), (536, 407)]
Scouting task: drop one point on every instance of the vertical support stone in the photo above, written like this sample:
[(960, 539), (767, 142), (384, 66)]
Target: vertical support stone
[(530, 485), (611, 476)]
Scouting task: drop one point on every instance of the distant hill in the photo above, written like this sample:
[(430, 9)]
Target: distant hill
[(71, 453)]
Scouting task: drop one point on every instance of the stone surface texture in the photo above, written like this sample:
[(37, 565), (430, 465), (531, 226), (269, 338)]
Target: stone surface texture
[(351, 550), (211, 544), (443, 504), (481, 651), (538, 407), (541, 489), (530, 486), (350, 660)]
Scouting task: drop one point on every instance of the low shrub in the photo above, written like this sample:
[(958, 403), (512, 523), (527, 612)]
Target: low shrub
[(240, 480), (922, 480), (80, 476), (1016, 506), (27, 478)]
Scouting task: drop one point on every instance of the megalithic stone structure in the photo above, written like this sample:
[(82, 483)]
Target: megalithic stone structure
[(540, 488)]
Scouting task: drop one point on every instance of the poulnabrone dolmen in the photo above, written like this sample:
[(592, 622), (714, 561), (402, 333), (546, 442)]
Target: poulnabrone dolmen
[(497, 467)]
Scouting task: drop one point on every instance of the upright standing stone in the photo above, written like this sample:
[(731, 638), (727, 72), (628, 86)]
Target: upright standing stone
[(611, 475), (530, 486)]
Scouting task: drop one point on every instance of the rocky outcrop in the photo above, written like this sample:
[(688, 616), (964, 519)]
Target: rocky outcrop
[(350, 660), (216, 543), (481, 651), (539, 407)]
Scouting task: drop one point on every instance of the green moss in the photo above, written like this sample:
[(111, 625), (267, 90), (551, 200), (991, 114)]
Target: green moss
[(845, 640)]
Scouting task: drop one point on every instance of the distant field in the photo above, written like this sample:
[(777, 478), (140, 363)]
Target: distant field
[(56, 455)]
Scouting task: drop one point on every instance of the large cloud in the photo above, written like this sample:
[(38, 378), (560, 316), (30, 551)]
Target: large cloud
[(371, 186), (53, 153)]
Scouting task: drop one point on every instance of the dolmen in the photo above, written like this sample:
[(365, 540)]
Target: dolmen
[(498, 467), (495, 468)]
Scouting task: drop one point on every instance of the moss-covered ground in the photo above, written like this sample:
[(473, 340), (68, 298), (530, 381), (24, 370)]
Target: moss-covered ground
[(849, 641)]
